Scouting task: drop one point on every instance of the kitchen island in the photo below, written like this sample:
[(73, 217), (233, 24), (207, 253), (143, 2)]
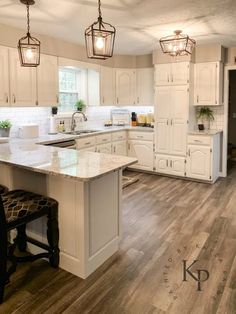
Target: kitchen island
[(88, 187)]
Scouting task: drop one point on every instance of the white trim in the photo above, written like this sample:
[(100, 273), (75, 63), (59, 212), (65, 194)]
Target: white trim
[(226, 110)]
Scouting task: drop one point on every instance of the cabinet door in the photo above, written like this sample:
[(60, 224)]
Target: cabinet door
[(47, 81), (205, 89), (119, 148), (163, 74), (145, 87), (199, 162), (162, 164), (93, 87), (143, 151), (22, 82), (177, 166), (104, 148), (162, 102), (107, 86), (125, 87), (179, 116), (180, 73), (162, 136), (4, 82)]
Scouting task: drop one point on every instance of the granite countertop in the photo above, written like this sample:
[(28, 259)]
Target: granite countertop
[(205, 132), (82, 166)]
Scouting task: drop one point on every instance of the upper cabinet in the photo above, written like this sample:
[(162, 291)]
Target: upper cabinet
[(145, 86), (172, 73), (125, 87), (4, 82), (93, 95), (208, 84), (22, 82), (107, 86), (47, 81)]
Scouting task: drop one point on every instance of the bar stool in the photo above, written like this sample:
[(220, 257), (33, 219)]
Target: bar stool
[(17, 208)]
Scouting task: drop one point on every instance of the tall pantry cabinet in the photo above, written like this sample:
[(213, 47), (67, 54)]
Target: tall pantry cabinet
[(172, 115)]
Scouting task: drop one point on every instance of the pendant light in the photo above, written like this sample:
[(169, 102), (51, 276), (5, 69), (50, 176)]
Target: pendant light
[(178, 44), (28, 46), (100, 38)]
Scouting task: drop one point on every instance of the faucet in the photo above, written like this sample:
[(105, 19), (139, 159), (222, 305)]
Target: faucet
[(73, 123)]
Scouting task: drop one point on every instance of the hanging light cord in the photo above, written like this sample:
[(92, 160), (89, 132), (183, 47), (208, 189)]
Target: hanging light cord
[(99, 9), (28, 20)]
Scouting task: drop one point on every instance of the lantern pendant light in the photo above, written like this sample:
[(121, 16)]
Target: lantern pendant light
[(178, 44), (28, 46), (100, 38)]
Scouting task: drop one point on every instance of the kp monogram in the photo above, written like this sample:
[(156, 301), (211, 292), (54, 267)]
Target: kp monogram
[(202, 274)]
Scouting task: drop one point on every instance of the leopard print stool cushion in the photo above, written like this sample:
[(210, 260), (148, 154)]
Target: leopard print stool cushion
[(19, 204)]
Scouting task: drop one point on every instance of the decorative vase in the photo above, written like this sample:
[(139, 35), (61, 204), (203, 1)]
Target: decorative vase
[(206, 123), (4, 132)]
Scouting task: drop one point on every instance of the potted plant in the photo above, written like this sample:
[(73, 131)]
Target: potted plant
[(205, 116), (80, 105), (5, 126)]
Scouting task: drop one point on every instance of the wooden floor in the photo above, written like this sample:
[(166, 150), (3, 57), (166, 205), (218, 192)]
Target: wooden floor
[(166, 221)]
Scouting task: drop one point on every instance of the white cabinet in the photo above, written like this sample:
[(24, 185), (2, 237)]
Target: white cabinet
[(171, 116), (208, 84), (203, 158), (172, 165), (93, 87), (172, 73), (143, 151), (125, 87), (22, 82), (145, 86), (119, 148), (104, 148), (47, 81), (4, 82), (107, 86)]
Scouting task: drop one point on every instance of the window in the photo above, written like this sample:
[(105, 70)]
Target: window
[(76, 83)]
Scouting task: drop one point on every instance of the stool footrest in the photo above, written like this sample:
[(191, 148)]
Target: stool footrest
[(32, 258), (38, 243)]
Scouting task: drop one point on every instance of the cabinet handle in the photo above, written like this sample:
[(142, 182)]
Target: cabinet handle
[(171, 163), (172, 78), (167, 163), (197, 99), (7, 98), (128, 146), (117, 100), (87, 143), (138, 100), (103, 100), (114, 149), (167, 122), (36, 103), (14, 98), (189, 152), (168, 79), (140, 136), (171, 122)]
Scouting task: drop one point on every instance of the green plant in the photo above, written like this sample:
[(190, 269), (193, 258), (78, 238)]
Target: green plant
[(5, 124), (80, 105), (205, 112)]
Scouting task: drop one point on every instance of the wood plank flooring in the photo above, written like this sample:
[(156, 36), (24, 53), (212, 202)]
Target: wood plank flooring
[(165, 221)]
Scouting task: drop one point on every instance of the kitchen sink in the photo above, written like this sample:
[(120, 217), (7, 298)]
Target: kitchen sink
[(81, 132)]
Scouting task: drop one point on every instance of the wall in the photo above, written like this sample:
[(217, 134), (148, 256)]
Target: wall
[(9, 36)]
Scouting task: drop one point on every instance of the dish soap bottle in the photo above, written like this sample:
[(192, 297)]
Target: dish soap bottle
[(133, 119)]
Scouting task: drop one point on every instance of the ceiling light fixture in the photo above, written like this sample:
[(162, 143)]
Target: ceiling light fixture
[(100, 38), (29, 47), (178, 44)]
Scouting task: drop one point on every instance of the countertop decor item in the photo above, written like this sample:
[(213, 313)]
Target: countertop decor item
[(28, 131), (80, 105), (178, 44), (28, 46), (205, 116), (100, 38), (5, 126)]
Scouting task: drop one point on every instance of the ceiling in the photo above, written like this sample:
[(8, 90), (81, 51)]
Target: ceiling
[(139, 23)]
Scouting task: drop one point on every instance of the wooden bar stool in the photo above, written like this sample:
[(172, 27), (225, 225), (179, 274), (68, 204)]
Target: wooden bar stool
[(17, 208)]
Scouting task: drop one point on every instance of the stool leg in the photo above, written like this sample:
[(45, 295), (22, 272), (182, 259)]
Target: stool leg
[(3, 263), (21, 238), (53, 236)]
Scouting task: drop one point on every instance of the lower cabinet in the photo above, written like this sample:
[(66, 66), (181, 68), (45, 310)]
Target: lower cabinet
[(119, 148), (104, 148), (199, 162), (88, 149), (170, 165), (143, 151)]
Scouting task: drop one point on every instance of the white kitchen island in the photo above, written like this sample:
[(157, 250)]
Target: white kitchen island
[(88, 187)]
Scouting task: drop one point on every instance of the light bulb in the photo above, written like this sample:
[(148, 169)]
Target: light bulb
[(100, 43), (29, 53)]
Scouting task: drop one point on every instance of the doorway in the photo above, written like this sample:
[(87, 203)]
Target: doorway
[(231, 140)]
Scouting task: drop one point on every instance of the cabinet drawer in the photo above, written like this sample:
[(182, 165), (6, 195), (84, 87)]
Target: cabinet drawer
[(136, 135), (85, 142), (199, 139), (118, 136), (104, 138)]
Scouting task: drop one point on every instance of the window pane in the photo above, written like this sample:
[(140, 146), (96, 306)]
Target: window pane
[(67, 101), (68, 80)]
